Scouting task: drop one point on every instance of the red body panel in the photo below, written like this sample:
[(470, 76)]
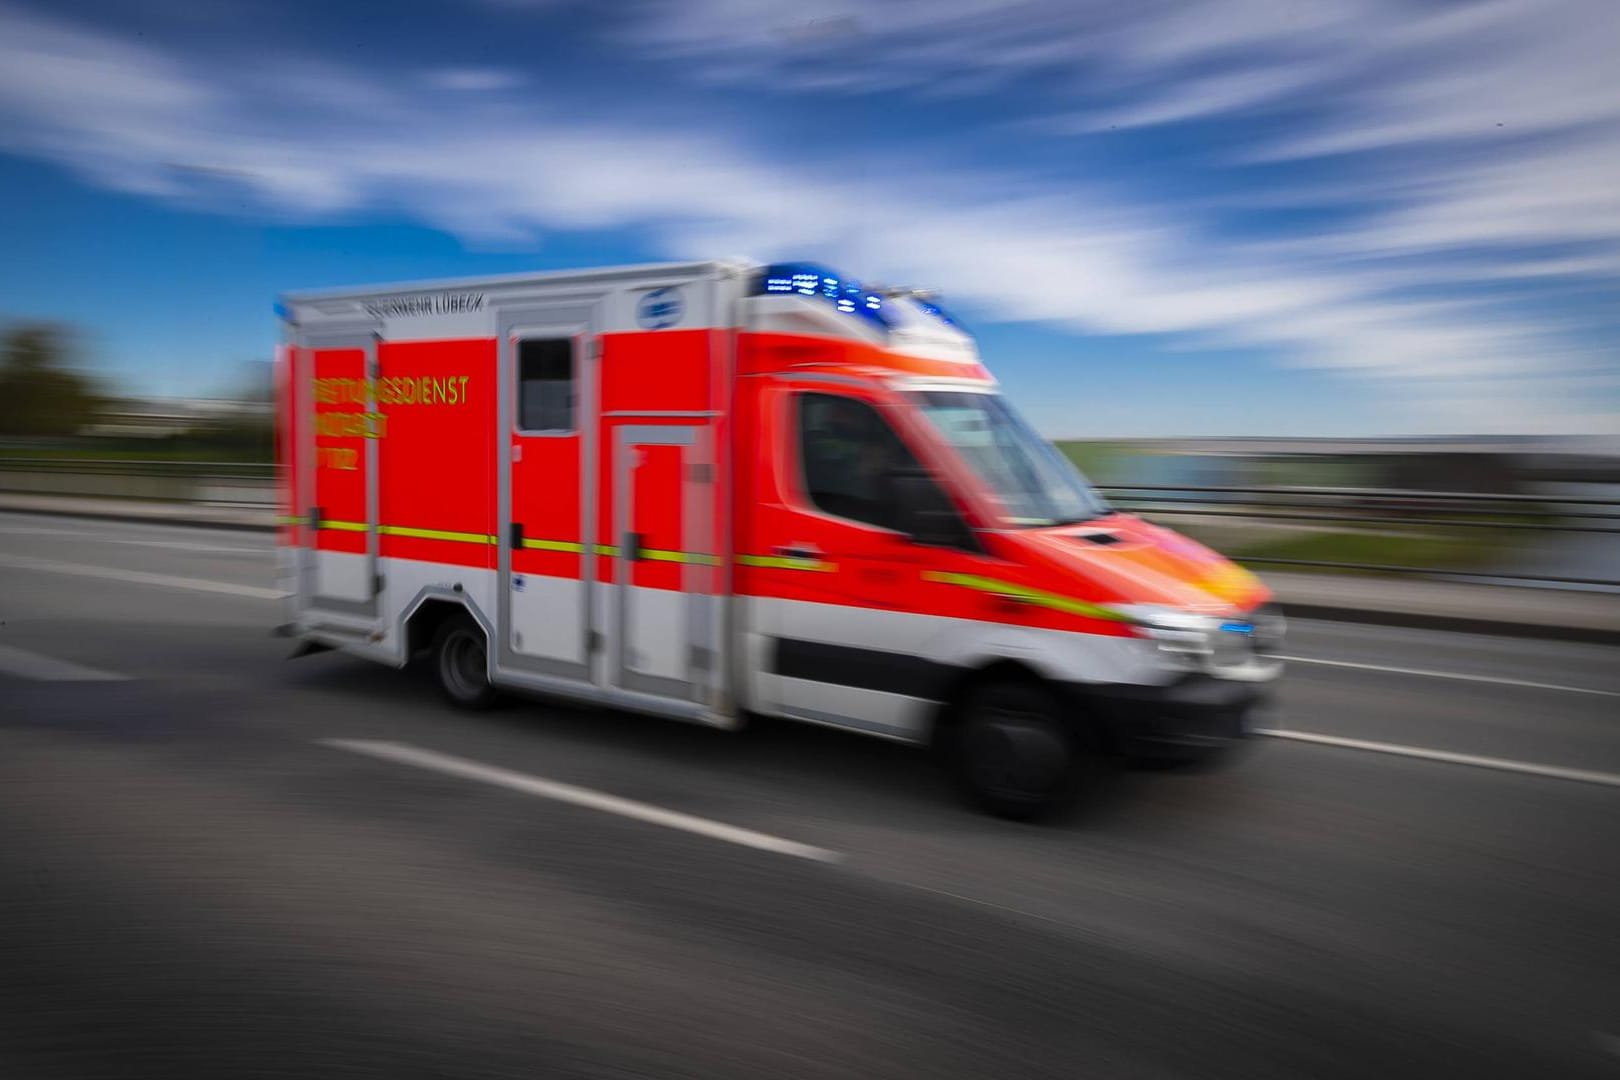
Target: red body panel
[(546, 502), (657, 515), (656, 371), (436, 449), (642, 379)]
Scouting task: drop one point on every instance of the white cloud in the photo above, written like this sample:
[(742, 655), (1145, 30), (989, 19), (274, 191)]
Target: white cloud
[(500, 169), (1190, 99), (473, 79)]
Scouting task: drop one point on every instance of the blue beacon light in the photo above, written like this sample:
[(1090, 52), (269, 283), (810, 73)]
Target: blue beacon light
[(806, 279)]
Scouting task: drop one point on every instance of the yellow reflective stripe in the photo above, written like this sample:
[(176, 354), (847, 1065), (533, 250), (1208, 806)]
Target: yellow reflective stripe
[(572, 547), (783, 562), (1065, 604), (344, 526), (612, 552), (437, 534), (289, 519), (690, 558)]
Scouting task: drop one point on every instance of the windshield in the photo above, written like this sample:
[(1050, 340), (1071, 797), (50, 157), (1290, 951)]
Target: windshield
[(1036, 485)]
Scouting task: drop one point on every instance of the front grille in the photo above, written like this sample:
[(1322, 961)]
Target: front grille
[(1232, 650)]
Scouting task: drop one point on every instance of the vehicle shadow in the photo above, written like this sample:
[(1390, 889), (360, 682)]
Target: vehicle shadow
[(769, 762)]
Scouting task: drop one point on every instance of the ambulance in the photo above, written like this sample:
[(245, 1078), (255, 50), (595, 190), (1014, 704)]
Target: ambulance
[(712, 491)]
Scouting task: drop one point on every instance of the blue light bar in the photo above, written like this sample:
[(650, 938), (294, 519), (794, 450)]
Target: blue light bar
[(808, 279)]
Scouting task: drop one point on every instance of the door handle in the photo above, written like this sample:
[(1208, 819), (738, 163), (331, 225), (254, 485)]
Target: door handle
[(797, 551)]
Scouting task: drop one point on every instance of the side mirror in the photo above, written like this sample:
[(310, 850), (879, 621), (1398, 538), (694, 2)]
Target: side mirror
[(925, 514)]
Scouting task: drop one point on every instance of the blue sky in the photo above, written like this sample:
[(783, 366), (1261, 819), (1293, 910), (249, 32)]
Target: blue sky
[(1169, 217)]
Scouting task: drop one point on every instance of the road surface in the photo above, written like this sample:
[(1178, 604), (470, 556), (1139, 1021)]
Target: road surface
[(216, 862)]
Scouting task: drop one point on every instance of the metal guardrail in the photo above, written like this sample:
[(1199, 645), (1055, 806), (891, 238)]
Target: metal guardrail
[(191, 470), (245, 484), (1544, 513)]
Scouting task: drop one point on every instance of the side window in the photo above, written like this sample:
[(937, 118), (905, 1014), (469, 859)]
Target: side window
[(848, 455), (545, 384)]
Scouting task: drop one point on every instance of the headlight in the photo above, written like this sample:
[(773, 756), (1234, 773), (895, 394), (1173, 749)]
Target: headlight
[(1186, 639), (1203, 642)]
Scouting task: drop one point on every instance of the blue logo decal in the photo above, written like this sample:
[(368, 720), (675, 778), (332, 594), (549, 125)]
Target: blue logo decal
[(660, 309)]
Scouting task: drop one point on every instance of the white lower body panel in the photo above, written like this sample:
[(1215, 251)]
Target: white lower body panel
[(548, 617), (341, 575), (656, 637), (874, 712)]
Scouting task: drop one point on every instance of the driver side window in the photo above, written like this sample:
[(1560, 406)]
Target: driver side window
[(848, 456)]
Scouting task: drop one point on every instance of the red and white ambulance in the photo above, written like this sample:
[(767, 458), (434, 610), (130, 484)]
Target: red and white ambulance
[(718, 489)]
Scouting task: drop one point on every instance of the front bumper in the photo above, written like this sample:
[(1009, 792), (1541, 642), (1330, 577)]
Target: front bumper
[(1186, 719)]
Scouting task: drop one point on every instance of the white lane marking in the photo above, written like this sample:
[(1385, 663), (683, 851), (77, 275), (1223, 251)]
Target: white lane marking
[(1456, 675), (1556, 772), (49, 669), (141, 577), (578, 796)]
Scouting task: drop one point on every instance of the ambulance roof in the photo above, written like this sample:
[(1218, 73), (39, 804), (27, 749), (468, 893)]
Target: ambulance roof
[(809, 298)]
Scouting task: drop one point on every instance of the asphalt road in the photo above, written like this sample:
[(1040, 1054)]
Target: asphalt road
[(215, 862)]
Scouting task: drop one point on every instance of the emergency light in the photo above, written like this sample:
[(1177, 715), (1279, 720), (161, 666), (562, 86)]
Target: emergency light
[(808, 279)]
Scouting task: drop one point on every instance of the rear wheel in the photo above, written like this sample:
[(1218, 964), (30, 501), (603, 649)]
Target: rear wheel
[(1014, 755), (461, 664)]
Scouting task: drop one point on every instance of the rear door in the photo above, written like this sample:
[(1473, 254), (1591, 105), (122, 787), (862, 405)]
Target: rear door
[(340, 456)]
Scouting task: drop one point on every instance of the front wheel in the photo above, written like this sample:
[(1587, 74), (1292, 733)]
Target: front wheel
[(461, 664), (1013, 753)]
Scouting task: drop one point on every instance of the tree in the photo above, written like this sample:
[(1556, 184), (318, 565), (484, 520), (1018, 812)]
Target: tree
[(40, 395)]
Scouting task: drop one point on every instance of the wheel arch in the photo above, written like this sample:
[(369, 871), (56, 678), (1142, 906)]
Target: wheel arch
[(1080, 709), (430, 609)]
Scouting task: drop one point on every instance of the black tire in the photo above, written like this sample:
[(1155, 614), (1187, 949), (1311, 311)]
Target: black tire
[(1014, 753), (461, 664), (1196, 759)]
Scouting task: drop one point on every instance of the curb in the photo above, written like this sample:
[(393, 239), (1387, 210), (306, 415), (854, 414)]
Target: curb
[(1459, 624)]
